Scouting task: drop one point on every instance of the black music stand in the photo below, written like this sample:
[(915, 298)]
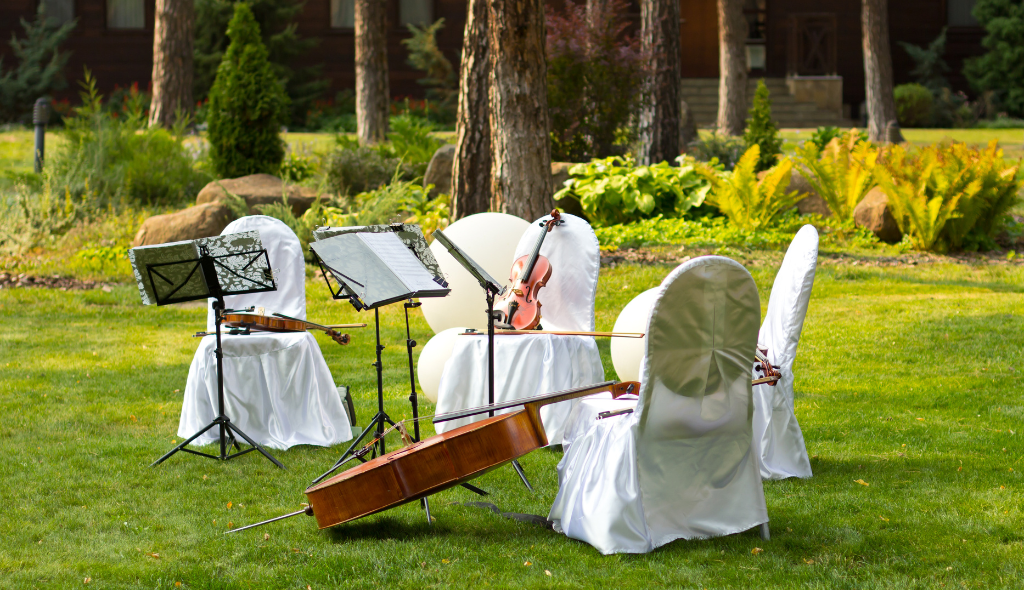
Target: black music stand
[(491, 290), (373, 269), (188, 271)]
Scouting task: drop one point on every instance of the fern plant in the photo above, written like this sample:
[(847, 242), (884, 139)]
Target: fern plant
[(981, 214), (751, 203), (842, 173)]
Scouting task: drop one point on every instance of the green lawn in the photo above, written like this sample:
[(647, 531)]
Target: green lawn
[(908, 379)]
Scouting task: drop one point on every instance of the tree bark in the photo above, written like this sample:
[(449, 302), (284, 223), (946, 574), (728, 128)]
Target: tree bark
[(172, 61), (471, 170), (881, 105), (732, 67), (520, 144), (660, 114), (372, 93)]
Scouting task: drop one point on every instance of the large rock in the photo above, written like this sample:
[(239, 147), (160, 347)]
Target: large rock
[(439, 170), (258, 189), (812, 203), (201, 221), (873, 213)]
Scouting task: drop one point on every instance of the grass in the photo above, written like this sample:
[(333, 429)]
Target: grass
[(908, 379), (1011, 140)]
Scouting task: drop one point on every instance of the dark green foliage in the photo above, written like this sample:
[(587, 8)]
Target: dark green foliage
[(39, 70), (440, 78), (761, 130), (333, 116), (913, 105), (823, 135), (276, 18), (247, 105), (595, 75), (1001, 69), (929, 67), (725, 149), (354, 169)]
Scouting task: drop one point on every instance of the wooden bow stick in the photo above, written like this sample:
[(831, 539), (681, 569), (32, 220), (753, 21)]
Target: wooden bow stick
[(557, 333)]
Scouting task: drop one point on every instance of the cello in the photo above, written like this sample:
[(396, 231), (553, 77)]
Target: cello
[(520, 307), (439, 462)]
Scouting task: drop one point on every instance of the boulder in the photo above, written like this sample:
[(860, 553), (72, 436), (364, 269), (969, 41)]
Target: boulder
[(873, 214), (258, 189), (439, 170), (812, 203), (201, 221)]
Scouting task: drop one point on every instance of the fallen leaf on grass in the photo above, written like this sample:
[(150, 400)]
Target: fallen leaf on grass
[(229, 505), (231, 525), (445, 561), (809, 561), (861, 482), (547, 573), (266, 536), (87, 580), (177, 584), (756, 550), (527, 563), (884, 518), (154, 555)]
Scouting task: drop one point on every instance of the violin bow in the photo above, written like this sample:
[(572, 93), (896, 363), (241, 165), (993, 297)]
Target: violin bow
[(319, 326)]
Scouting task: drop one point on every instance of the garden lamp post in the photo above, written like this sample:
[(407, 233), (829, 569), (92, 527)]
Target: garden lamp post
[(40, 114)]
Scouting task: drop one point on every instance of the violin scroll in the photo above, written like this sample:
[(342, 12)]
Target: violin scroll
[(338, 337)]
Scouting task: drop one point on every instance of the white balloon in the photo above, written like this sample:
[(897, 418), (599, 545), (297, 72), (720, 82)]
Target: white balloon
[(433, 357), (627, 353), (490, 239)]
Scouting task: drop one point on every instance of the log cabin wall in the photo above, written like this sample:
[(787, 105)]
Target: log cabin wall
[(121, 57)]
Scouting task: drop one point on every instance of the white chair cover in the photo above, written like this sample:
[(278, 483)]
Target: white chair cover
[(535, 364), (277, 387), (776, 431), (682, 465)]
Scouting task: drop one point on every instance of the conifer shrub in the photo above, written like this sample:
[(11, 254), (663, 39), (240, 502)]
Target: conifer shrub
[(761, 130), (39, 69), (247, 105)]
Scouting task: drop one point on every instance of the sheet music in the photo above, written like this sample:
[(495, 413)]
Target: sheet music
[(406, 267)]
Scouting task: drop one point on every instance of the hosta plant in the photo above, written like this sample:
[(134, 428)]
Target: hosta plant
[(615, 190), (751, 203), (842, 173)]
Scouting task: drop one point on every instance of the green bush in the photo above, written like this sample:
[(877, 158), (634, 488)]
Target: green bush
[(913, 105), (1001, 68), (353, 169), (842, 173), (247, 105), (1001, 122), (761, 130), (713, 147), (440, 78), (748, 202), (616, 190), (411, 141), (39, 70)]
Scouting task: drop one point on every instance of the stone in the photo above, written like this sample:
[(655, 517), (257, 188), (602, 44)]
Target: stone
[(812, 203), (873, 213), (439, 170), (201, 221), (258, 189)]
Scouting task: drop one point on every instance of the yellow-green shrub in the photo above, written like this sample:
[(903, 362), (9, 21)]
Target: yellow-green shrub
[(842, 173), (750, 203)]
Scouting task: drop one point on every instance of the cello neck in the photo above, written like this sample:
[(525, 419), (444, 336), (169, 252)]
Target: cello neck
[(539, 401)]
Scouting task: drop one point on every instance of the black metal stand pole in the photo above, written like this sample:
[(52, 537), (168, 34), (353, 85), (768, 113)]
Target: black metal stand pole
[(227, 430), (409, 345)]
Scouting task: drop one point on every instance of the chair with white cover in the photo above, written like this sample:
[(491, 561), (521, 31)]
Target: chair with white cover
[(776, 431), (527, 365), (277, 386), (682, 465)]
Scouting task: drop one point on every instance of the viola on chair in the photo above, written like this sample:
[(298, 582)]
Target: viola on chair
[(520, 308)]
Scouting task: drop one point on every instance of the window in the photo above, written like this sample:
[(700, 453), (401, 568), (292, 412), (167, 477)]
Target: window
[(126, 14), (415, 12), (343, 14), (958, 13), (59, 11)]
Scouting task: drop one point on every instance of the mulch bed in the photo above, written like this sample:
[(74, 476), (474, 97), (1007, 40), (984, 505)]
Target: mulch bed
[(8, 280)]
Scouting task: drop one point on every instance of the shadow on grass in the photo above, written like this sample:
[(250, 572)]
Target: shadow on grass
[(849, 274)]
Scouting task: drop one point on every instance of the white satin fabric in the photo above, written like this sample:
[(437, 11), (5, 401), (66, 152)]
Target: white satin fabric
[(534, 364), (277, 386), (776, 431), (682, 465)]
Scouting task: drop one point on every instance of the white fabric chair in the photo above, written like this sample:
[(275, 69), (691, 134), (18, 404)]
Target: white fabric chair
[(277, 387), (533, 364), (776, 431), (682, 465)]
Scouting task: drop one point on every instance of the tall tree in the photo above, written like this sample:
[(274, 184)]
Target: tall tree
[(732, 66), (372, 93), (874, 19), (520, 144), (471, 172), (660, 113), (172, 61)]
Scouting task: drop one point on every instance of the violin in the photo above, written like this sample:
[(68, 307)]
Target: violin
[(520, 307), (282, 323), (439, 462)]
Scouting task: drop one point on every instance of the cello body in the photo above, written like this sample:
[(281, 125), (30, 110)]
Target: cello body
[(440, 462)]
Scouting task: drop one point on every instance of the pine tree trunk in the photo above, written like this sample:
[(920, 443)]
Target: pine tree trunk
[(172, 61), (732, 67), (878, 72), (660, 116), (471, 170), (372, 93), (520, 144)]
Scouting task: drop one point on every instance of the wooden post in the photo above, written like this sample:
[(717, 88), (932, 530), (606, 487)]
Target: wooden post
[(373, 96), (174, 21)]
